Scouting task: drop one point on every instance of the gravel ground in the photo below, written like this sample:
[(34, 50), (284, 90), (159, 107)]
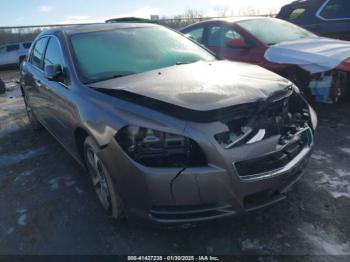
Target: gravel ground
[(48, 206)]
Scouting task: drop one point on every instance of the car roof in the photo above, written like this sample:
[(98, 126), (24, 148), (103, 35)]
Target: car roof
[(238, 18), (229, 20), (297, 3), (76, 29)]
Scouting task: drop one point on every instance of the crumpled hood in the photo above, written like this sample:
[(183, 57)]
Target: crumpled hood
[(202, 86), (313, 54)]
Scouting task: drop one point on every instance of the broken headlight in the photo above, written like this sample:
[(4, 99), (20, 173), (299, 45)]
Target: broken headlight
[(154, 148)]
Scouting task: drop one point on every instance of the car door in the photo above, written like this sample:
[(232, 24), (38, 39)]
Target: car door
[(59, 107), (12, 54), (32, 78), (219, 37)]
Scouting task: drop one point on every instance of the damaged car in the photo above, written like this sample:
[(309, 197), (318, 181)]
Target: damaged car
[(167, 132), (319, 66)]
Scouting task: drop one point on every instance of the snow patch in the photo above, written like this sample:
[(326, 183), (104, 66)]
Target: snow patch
[(21, 210), (251, 244), (325, 243), (8, 128), (8, 160), (342, 172), (10, 231), (345, 150), (337, 183), (67, 180), (321, 156), (22, 220), (79, 190)]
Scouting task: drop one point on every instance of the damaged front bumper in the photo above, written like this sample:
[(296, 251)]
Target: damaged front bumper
[(185, 195), (253, 172)]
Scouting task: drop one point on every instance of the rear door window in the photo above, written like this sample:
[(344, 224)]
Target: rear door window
[(336, 9), (38, 52), (11, 48)]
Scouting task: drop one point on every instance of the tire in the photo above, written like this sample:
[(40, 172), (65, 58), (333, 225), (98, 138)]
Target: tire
[(35, 124), (102, 181), (2, 87)]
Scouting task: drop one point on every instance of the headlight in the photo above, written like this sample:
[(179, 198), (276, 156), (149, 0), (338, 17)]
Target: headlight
[(158, 149), (234, 137), (313, 118)]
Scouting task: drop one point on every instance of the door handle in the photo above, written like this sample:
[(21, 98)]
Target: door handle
[(38, 82)]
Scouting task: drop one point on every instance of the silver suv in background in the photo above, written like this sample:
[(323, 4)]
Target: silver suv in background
[(13, 54)]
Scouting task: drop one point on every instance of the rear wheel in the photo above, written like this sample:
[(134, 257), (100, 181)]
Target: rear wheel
[(35, 124), (101, 180)]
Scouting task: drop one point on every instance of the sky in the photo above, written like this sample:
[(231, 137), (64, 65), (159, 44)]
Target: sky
[(38, 12)]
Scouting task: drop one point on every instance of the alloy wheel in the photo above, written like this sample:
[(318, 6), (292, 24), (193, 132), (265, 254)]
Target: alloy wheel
[(98, 175)]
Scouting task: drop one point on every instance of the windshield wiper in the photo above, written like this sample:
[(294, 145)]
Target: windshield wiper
[(108, 78), (185, 63)]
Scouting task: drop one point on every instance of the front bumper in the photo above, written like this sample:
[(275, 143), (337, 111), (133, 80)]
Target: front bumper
[(184, 195)]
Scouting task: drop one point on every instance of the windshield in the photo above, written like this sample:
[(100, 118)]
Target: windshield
[(274, 31), (109, 54)]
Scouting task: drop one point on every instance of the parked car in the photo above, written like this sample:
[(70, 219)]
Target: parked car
[(129, 20), (330, 18), (319, 66), (165, 133), (13, 54)]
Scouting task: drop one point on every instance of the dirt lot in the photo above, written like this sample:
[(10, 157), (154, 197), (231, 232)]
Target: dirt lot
[(48, 206)]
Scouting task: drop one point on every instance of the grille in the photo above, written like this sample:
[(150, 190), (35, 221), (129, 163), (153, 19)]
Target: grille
[(275, 160), (192, 212)]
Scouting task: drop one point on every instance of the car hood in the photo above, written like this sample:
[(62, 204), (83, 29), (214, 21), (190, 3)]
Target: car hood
[(314, 55), (202, 86)]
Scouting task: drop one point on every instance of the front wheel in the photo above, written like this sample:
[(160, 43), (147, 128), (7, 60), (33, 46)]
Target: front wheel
[(101, 180)]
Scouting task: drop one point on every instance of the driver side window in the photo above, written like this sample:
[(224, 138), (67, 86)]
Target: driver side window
[(220, 35)]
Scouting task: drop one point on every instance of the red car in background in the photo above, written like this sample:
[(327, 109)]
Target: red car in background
[(319, 66)]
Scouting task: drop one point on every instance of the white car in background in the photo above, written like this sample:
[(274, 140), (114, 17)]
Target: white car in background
[(13, 54)]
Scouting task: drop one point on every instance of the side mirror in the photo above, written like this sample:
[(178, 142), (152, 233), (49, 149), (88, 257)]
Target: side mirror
[(54, 73), (237, 43)]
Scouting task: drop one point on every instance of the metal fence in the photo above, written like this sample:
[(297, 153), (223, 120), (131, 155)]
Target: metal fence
[(16, 34)]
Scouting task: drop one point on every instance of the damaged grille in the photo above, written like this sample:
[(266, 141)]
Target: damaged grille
[(284, 117), (275, 160), (287, 118)]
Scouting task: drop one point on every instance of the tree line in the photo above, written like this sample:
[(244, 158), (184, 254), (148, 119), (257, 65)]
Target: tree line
[(190, 16)]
